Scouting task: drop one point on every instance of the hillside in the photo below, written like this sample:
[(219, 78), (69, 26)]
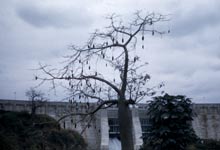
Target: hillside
[(21, 131)]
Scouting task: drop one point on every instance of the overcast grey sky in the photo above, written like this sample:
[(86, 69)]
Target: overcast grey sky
[(187, 60)]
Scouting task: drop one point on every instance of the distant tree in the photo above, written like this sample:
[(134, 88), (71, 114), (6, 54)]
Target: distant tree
[(37, 99), (114, 49), (170, 120)]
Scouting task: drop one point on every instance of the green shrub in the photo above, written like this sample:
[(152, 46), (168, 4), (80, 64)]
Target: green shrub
[(66, 140), (21, 131), (170, 118), (206, 144), (8, 142)]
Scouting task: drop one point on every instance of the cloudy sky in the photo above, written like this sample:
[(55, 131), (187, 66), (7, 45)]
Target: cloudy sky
[(187, 60)]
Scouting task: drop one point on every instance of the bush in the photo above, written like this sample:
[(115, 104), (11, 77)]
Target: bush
[(66, 140), (170, 118), (206, 144), (21, 131)]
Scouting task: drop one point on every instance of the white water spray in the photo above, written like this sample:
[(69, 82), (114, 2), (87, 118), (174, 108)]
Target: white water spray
[(114, 144)]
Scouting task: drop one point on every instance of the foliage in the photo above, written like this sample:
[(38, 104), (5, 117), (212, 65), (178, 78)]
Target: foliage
[(66, 139), (20, 131), (205, 144), (171, 128)]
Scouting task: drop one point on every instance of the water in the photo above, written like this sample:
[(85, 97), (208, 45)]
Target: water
[(114, 144)]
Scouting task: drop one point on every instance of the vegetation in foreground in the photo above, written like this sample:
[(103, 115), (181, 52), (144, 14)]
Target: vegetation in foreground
[(205, 144), (21, 131), (170, 118), (171, 128)]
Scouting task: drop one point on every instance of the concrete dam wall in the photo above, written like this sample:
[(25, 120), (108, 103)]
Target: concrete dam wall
[(102, 129)]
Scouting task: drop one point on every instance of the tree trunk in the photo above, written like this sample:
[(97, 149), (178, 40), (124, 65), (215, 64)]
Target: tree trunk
[(125, 126), (33, 108)]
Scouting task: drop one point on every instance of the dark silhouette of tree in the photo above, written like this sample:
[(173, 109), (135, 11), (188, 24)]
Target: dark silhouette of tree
[(37, 99), (88, 68), (171, 123)]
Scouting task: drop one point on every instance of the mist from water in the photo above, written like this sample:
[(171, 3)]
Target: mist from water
[(114, 144)]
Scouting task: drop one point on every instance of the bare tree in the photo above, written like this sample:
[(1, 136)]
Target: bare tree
[(37, 99), (107, 69)]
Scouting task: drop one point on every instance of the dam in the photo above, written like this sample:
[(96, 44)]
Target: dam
[(101, 131)]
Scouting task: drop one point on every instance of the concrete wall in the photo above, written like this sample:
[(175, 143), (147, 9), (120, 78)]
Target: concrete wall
[(206, 123), (137, 132), (104, 130)]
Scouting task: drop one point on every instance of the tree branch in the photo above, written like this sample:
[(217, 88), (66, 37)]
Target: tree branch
[(89, 113)]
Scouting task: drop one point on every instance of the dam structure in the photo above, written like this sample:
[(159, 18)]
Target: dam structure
[(101, 132)]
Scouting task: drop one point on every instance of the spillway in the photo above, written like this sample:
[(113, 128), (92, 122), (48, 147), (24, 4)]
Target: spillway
[(114, 144)]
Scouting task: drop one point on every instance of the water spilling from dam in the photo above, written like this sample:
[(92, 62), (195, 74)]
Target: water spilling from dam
[(114, 144)]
